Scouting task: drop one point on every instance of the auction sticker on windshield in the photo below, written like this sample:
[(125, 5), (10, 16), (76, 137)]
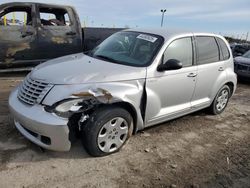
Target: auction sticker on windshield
[(147, 38)]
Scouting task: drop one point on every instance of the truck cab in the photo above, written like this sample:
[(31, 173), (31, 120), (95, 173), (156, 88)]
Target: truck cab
[(32, 33)]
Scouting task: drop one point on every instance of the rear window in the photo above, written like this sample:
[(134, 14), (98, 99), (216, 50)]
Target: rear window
[(208, 50), (225, 53)]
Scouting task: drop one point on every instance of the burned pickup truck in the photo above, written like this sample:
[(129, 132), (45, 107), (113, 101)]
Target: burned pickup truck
[(32, 33)]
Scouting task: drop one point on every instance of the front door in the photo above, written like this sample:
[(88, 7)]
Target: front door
[(18, 37), (169, 93)]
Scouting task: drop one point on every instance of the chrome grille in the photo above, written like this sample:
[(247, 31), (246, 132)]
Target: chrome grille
[(32, 91)]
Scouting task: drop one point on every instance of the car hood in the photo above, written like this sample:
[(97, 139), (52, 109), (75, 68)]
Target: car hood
[(80, 68), (241, 59)]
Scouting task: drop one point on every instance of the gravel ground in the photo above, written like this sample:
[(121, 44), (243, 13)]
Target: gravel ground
[(198, 150)]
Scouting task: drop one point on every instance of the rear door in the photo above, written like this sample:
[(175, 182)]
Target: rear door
[(18, 36), (58, 31), (211, 69)]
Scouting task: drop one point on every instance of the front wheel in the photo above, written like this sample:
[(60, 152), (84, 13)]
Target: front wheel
[(220, 102), (107, 130)]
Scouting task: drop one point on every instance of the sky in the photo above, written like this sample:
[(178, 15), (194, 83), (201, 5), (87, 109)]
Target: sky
[(226, 17)]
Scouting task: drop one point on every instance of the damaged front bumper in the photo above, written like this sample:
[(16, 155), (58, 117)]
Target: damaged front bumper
[(40, 127)]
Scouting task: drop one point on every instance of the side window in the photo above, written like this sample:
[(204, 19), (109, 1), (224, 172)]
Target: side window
[(208, 50), (182, 50), (225, 53), (54, 17), (16, 16)]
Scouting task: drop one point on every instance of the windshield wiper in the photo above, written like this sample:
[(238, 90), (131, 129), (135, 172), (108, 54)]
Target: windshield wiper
[(89, 53), (106, 58)]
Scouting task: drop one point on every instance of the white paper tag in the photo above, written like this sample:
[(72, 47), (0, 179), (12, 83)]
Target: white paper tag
[(147, 38)]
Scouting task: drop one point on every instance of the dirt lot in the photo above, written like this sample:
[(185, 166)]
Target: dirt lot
[(197, 150)]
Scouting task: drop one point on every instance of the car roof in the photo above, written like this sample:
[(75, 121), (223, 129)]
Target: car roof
[(32, 3), (170, 33)]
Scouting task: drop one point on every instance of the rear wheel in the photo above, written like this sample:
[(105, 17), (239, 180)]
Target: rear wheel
[(220, 102), (107, 131)]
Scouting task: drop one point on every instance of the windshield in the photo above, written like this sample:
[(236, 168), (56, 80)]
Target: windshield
[(129, 48), (247, 54)]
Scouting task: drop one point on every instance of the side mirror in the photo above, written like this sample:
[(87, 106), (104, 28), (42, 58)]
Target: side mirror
[(171, 64)]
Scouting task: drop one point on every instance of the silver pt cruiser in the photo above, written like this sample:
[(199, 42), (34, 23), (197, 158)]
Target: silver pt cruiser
[(134, 79)]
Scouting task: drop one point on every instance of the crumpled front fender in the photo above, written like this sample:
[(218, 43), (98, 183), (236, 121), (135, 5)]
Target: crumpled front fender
[(106, 93)]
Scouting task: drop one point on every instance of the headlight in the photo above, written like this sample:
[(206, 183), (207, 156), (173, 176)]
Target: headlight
[(67, 107), (70, 105)]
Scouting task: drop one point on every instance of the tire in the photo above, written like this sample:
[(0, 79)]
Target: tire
[(107, 130), (220, 101)]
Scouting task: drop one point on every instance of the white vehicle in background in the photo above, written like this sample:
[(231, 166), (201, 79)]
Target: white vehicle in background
[(132, 80)]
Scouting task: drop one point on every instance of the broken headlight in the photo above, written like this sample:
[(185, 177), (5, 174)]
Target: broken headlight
[(67, 107)]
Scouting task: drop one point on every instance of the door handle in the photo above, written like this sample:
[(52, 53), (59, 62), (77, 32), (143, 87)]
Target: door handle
[(71, 33), (27, 33), (192, 75), (221, 69)]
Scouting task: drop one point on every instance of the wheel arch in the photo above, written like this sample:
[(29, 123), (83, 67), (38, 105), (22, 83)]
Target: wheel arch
[(130, 108), (222, 80), (231, 86)]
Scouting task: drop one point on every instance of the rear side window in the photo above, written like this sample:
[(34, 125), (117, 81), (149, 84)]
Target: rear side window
[(54, 17), (225, 53), (180, 49), (208, 50)]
